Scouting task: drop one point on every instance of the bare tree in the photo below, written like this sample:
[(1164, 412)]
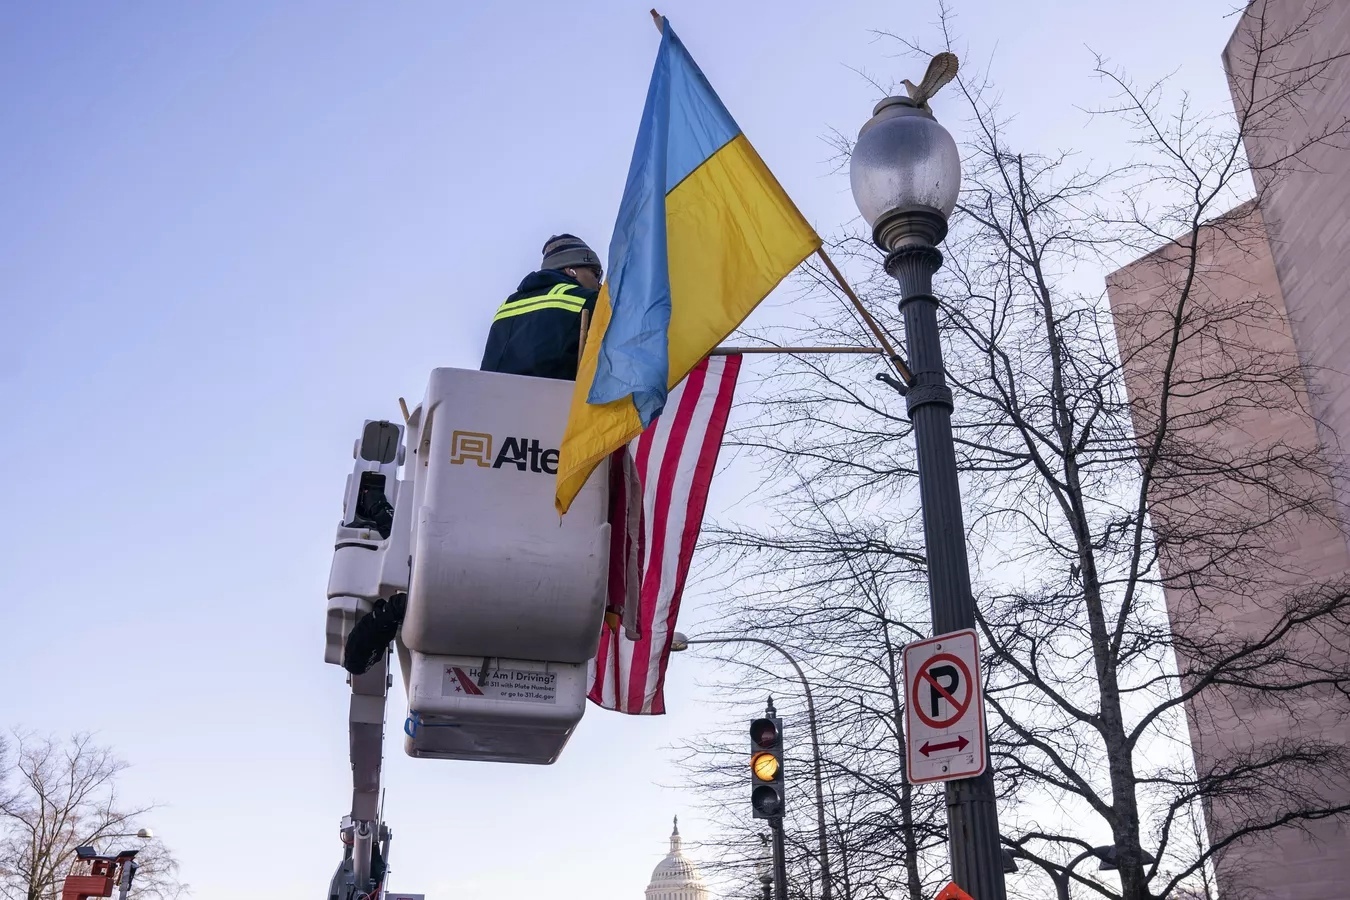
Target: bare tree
[(1086, 502), (879, 829), (59, 794)]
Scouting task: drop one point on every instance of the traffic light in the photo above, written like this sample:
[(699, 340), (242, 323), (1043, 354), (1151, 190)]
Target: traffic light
[(766, 767)]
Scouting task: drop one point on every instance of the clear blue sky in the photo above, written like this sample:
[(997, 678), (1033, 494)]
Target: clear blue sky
[(231, 231)]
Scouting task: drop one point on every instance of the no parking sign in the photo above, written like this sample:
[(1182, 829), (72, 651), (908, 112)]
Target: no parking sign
[(944, 708)]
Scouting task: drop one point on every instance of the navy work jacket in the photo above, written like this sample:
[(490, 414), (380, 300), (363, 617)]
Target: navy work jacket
[(537, 331)]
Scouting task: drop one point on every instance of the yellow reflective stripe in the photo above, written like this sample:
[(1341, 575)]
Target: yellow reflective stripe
[(578, 302), (521, 309), (559, 297), (511, 310)]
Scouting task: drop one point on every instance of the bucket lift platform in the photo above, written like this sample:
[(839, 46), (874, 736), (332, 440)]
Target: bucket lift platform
[(93, 875), (505, 598)]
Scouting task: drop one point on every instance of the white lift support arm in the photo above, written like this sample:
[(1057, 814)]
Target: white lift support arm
[(367, 566)]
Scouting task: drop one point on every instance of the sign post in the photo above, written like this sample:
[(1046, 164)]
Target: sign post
[(944, 709)]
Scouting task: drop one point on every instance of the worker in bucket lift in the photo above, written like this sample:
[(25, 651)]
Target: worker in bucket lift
[(537, 332)]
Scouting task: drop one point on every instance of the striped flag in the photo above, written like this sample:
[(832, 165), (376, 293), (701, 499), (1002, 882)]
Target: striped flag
[(658, 491)]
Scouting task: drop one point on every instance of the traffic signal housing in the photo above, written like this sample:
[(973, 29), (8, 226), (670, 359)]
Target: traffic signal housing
[(766, 768)]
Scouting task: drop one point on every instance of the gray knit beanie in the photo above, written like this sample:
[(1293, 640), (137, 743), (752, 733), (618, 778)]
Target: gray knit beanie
[(566, 251)]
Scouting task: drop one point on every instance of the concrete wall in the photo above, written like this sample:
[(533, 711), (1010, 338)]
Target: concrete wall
[(1306, 205), (1229, 564)]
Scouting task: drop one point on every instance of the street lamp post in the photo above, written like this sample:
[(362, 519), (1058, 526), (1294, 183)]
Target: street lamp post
[(906, 174), (764, 866), (681, 642)]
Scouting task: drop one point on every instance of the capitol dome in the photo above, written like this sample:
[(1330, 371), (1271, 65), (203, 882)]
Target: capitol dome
[(676, 877)]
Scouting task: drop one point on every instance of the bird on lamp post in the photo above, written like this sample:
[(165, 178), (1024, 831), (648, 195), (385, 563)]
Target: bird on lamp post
[(941, 69)]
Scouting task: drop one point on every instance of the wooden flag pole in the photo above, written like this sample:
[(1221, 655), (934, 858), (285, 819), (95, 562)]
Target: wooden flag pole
[(585, 328), (656, 17), (900, 366)]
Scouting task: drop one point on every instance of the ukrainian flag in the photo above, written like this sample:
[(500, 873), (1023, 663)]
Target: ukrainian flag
[(704, 233)]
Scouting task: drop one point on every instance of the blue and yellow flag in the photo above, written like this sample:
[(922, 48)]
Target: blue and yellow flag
[(704, 233)]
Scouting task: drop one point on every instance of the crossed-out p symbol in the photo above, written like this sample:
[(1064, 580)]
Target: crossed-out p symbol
[(948, 685)]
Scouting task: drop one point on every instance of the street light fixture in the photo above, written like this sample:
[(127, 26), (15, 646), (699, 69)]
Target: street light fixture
[(906, 177), (680, 642), (1110, 862), (904, 161), (143, 833)]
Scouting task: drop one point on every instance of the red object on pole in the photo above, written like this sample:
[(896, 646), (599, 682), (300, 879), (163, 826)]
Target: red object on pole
[(94, 876), (952, 892)]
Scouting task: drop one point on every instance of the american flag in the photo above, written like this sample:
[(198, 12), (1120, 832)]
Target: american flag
[(658, 491)]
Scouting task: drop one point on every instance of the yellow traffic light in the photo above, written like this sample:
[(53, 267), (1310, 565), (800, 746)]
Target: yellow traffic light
[(765, 766)]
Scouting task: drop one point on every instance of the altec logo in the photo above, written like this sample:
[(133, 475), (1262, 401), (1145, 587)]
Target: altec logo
[(526, 454)]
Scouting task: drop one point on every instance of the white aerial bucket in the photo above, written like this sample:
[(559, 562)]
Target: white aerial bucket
[(505, 597)]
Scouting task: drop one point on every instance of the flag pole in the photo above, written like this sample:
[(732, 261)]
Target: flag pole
[(900, 366), (585, 329), (733, 351)]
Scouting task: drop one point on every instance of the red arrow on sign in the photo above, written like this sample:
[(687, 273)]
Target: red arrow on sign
[(952, 892), (958, 745)]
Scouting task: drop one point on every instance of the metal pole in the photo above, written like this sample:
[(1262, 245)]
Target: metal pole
[(730, 351), (779, 860), (766, 871), (972, 819), (823, 846)]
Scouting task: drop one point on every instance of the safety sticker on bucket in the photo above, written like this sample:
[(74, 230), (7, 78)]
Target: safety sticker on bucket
[(501, 684)]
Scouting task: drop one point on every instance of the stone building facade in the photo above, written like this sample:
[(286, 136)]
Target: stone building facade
[(1306, 207), (1287, 254)]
